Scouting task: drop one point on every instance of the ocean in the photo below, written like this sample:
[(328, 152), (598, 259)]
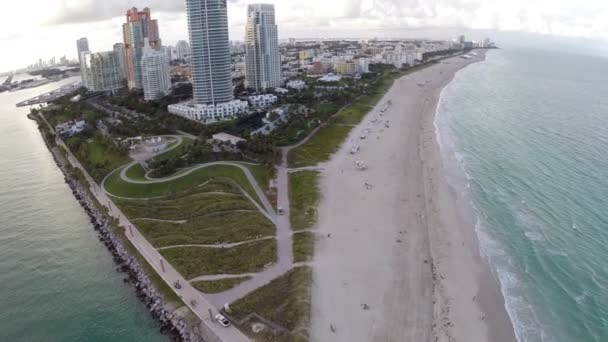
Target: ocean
[(58, 281), (525, 136)]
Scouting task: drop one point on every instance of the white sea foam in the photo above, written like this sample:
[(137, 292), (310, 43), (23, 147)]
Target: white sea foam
[(525, 323)]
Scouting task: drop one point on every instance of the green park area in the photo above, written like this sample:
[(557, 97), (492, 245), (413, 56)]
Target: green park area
[(191, 218), (303, 246), (220, 285), (197, 261), (290, 310), (304, 197)]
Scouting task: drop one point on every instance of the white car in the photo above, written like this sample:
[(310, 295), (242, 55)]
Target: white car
[(222, 320)]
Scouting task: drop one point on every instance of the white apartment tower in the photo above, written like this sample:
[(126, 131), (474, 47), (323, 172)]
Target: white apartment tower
[(263, 59), (156, 78), (101, 71), (210, 45)]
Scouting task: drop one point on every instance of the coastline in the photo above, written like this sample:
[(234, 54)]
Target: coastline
[(399, 261), (174, 326)]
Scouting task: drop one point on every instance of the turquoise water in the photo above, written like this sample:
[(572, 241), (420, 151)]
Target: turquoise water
[(58, 281), (530, 130)]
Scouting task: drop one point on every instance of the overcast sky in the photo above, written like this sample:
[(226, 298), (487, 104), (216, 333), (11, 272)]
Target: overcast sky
[(31, 29)]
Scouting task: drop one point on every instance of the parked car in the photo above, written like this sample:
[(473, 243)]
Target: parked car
[(222, 320)]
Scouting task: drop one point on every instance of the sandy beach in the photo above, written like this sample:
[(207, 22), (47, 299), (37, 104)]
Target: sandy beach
[(397, 260)]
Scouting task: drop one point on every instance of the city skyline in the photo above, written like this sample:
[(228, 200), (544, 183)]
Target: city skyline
[(311, 19)]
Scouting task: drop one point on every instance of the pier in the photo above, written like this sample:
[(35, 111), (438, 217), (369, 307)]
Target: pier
[(52, 95)]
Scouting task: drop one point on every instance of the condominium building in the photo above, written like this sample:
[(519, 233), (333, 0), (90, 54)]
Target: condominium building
[(138, 27), (211, 69), (263, 59), (102, 71), (211, 65), (182, 49), (121, 59), (82, 46), (155, 74)]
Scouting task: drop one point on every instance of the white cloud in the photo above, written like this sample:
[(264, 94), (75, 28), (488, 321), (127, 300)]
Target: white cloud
[(53, 25)]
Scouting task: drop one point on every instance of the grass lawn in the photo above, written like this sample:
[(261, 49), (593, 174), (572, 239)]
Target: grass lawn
[(136, 172), (326, 109), (352, 114), (227, 227), (100, 158), (303, 246), (217, 286), (284, 301), (262, 175), (320, 148), (192, 262), (176, 152), (303, 199), (117, 187)]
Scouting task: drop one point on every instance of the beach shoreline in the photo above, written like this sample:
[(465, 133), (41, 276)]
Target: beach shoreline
[(396, 259)]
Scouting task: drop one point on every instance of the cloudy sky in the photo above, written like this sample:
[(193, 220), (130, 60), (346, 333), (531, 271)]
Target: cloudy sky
[(31, 29)]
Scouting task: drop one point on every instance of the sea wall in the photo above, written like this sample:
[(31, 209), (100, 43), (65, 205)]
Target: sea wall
[(171, 324)]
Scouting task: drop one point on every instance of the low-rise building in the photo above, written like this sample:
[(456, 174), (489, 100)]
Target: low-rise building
[(209, 113), (70, 128), (262, 101), (296, 85)]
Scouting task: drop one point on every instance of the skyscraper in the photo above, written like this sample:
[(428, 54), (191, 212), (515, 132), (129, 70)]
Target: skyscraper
[(121, 59), (82, 46), (155, 74), (211, 65), (263, 59), (182, 49), (210, 45), (138, 27), (102, 71)]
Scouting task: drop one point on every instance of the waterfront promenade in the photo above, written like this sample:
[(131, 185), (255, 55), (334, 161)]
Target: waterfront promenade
[(191, 297)]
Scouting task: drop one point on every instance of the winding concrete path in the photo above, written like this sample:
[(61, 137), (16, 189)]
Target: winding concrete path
[(191, 297)]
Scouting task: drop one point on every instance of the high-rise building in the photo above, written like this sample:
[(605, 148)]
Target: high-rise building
[(183, 50), (263, 58), (211, 68), (211, 65), (121, 59), (82, 46), (138, 27), (155, 73), (102, 71)]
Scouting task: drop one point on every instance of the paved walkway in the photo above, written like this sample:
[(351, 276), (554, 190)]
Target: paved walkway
[(191, 297)]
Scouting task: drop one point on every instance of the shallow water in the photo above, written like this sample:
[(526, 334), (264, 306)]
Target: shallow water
[(58, 280), (530, 131)]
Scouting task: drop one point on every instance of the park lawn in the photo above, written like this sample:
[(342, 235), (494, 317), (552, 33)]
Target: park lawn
[(177, 152), (303, 246), (119, 188), (352, 115), (262, 174), (320, 147), (304, 197), (184, 206), (192, 262), (284, 301), (100, 158), (217, 228), (136, 172), (220, 285), (326, 109)]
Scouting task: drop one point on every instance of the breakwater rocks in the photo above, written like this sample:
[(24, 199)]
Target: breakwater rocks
[(170, 323)]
